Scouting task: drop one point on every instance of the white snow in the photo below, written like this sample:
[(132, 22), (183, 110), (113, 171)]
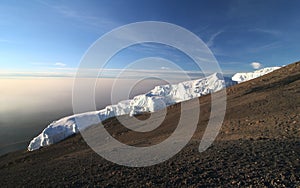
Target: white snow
[(242, 77), (156, 99)]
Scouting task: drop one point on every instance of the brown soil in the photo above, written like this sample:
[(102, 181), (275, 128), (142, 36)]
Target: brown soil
[(258, 145)]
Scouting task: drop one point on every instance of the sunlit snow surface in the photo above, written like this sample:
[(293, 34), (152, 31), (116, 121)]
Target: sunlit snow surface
[(156, 99), (243, 77)]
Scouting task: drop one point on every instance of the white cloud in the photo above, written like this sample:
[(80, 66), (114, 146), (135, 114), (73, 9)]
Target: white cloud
[(106, 73), (164, 68), (49, 64), (256, 65), (60, 64), (211, 40)]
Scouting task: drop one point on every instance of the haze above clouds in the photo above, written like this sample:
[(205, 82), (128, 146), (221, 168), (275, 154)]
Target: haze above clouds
[(28, 105)]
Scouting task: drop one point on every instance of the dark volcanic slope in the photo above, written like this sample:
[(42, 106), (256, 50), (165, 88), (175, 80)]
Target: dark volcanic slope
[(259, 145)]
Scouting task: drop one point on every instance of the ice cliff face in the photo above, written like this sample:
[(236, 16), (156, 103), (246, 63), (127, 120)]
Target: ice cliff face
[(158, 98), (243, 77)]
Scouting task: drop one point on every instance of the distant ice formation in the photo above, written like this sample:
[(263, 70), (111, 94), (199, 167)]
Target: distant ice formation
[(243, 77), (156, 99)]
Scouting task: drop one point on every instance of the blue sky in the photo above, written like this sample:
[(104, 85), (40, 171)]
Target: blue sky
[(48, 38)]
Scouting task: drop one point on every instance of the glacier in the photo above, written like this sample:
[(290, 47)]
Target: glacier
[(158, 98), (243, 77)]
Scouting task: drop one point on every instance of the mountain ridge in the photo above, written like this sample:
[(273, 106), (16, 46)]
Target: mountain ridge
[(156, 99), (258, 145)]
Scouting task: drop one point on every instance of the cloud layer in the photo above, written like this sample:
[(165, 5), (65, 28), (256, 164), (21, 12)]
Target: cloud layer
[(256, 65), (28, 105)]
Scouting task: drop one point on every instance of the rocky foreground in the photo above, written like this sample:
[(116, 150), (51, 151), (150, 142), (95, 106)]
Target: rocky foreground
[(258, 145)]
